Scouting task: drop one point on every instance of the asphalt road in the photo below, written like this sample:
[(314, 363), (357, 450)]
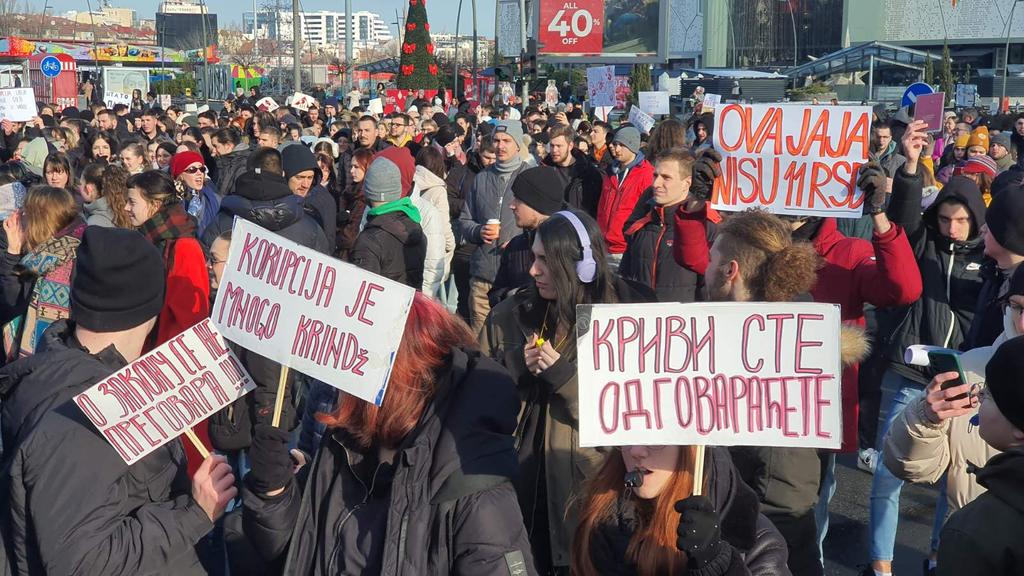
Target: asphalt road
[(847, 544)]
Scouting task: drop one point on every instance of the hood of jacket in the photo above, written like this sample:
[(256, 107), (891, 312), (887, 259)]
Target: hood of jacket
[(53, 372), (273, 214), (426, 179), (967, 193), (1003, 475)]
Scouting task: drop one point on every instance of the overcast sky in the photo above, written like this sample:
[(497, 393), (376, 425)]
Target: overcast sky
[(440, 12)]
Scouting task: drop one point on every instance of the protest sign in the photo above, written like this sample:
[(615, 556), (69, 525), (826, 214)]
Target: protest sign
[(929, 109), (164, 100), (643, 121), (156, 398), (727, 374), (112, 99), (17, 104), (799, 160), (302, 102), (710, 102), (376, 106), (323, 317), (266, 104), (653, 103), (601, 85), (966, 95)]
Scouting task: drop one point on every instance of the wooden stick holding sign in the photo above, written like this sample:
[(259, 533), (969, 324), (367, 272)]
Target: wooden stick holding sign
[(197, 443), (282, 384), (698, 470)]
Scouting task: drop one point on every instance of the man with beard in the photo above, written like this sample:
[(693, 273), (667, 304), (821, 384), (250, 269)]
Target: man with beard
[(581, 179)]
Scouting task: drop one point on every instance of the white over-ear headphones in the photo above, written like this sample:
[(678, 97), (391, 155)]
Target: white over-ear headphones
[(586, 269)]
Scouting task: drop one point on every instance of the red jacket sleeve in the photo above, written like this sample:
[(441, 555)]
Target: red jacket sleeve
[(690, 244), (187, 299), (891, 277)]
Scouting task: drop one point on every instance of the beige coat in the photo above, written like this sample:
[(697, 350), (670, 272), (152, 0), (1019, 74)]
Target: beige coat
[(919, 451)]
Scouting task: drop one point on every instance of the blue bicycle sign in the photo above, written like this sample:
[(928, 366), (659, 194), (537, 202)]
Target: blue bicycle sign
[(50, 66)]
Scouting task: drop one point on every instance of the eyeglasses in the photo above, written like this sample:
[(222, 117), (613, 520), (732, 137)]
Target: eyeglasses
[(194, 169)]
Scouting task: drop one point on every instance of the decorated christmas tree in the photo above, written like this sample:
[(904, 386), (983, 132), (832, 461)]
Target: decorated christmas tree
[(418, 70)]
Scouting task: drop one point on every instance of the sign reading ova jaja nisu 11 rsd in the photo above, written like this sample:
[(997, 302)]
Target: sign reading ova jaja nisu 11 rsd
[(154, 399), (727, 374), (323, 317)]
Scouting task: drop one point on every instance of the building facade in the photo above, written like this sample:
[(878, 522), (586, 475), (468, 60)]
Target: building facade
[(321, 29)]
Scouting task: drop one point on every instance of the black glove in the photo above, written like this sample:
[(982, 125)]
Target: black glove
[(872, 181), (705, 170), (271, 462), (699, 534)]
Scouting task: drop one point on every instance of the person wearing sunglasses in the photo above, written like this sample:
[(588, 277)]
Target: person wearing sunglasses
[(191, 179), (937, 434)]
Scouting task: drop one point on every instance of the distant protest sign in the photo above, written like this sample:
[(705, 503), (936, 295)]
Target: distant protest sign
[(112, 99), (155, 399), (323, 317), (644, 122), (653, 103), (727, 374), (710, 102), (799, 160), (601, 86), (17, 104)]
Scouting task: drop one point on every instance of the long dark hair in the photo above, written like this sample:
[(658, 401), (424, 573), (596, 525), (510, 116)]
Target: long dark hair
[(562, 250)]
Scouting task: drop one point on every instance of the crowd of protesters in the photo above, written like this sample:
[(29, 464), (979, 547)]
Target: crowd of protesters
[(117, 226)]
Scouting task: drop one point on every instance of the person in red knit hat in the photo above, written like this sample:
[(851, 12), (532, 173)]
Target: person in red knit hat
[(191, 179)]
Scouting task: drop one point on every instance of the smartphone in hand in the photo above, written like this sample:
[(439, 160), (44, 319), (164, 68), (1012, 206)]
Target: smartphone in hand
[(942, 362)]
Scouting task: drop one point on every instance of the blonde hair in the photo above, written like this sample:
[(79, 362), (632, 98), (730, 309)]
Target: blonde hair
[(775, 268), (47, 210)]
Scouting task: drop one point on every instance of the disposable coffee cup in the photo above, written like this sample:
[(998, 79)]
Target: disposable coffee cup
[(495, 222)]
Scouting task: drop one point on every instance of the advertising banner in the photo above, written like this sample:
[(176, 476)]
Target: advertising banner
[(595, 30)]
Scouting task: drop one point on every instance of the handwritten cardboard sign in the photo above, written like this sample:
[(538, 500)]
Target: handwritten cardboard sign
[(710, 102), (643, 121), (728, 374), (153, 400), (601, 85), (800, 160), (17, 104), (112, 99), (267, 104), (323, 317), (302, 102), (653, 103)]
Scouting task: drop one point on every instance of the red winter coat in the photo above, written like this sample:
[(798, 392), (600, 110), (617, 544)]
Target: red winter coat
[(619, 199), (882, 273)]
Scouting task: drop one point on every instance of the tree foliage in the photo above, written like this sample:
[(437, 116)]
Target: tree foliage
[(946, 77)]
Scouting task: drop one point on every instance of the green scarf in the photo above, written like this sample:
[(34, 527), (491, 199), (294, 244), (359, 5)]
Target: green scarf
[(403, 205)]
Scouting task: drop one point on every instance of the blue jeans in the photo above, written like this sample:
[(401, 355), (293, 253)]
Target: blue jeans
[(825, 494), (886, 488)]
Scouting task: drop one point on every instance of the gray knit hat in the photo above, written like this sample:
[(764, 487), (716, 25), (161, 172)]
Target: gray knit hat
[(513, 128), (629, 137), (389, 176)]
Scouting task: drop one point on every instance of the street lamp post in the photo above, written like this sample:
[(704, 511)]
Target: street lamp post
[(206, 58), (1006, 53)]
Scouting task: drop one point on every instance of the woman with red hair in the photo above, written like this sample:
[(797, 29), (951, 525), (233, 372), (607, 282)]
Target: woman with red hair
[(419, 485), (640, 517)]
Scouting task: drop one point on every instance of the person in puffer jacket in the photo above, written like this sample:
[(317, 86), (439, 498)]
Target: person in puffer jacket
[(623, 185), (392, 243), (720, 534), (430, 491)]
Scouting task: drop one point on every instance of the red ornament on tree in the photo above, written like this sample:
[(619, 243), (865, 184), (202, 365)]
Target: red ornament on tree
[(408, 48), (408, 69), (433, 69), (430, 49), (427, 26), (410, 26)]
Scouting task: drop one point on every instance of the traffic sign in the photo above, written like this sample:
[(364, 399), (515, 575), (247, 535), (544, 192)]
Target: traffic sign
[(50, 66), (913, 91), (572, 26)]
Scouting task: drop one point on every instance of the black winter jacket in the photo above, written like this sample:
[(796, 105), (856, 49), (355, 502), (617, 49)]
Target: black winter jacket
[(322, 206), (266, 200), (70, 503), (950, 272), (649, 234), (758, 548), (230, 167), (446, 505), (983, 537), (582, 182), (393, 246), (514, 270)]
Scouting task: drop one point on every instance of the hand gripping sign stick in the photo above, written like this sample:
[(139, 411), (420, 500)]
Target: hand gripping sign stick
[(282, 382)]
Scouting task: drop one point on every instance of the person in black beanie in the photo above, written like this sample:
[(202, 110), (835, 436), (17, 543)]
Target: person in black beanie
[(983, 537), (89, 511), (303, 176), (537, 194), (1004, 246)]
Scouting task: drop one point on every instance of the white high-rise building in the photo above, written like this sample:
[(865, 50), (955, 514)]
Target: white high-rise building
[(323, 28)]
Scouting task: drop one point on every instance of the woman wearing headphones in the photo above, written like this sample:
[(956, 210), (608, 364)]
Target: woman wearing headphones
[(533, 333)]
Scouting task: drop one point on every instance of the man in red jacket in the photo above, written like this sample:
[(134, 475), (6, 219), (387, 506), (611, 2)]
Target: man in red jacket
[(855, 272), (622, 185)]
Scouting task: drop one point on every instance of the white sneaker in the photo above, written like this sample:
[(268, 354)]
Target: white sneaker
[(867, 460)]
